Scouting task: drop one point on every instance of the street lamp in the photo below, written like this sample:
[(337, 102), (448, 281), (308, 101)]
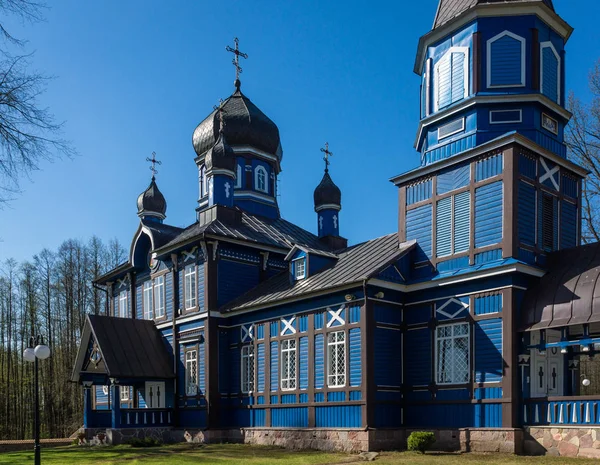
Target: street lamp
[(37, 350)]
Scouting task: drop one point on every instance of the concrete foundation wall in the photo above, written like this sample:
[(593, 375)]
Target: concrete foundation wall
[(569, 441)]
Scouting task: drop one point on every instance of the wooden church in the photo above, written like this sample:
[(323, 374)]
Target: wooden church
[(478, 319)]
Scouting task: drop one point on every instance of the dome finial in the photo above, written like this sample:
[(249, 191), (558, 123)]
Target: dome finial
[(154, 162), (236, 61), (327, 155)]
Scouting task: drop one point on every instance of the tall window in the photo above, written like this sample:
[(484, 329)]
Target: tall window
[(451, 77), (202, 182), (123, 304), (453, 223), (190, 287), (550, 72), (247, 369), (238, 176), (148, 304), (191, 372), (159, 296), (260, 179), (506, 60), (288, 364), (124, 393), (452, 353), (336, 359)]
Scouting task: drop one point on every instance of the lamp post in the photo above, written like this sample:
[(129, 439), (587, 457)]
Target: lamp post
[(37, 350)]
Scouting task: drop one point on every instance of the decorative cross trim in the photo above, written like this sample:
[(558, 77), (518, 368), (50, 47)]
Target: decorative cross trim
[(288, 325), (549, 174), (122, 281), (335, 317), (247, 332), (455, 314), (189, 255)]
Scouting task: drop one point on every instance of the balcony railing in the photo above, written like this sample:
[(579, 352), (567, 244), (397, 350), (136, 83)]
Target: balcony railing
[(146, 417), (581, 410)]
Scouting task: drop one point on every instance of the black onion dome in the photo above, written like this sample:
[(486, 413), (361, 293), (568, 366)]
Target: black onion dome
[(221, 156), (151, 202), (327, 193), (245, 124)]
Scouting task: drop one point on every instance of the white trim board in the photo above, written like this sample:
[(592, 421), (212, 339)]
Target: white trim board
[(489, 60)]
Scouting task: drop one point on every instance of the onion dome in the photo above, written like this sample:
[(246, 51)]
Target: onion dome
[(221, 156), (244, 125), (151, 202), (327, 194)]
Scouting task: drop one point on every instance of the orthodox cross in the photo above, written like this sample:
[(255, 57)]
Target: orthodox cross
[(327, 155), (220, 111), (154, 162), (236, 60)]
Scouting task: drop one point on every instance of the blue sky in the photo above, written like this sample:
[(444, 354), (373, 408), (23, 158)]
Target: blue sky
[(138, 76)]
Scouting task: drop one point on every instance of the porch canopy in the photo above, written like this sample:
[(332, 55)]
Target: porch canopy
[(568, 294), (121, 348)]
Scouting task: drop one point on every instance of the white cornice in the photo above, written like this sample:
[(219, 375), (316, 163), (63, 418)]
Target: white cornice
[(328, 206)]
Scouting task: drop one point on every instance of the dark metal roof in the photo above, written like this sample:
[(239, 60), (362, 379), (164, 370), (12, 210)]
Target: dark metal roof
[(327, 193), (161, 233), (245, 124), (568, 294), (449, 9), (152, 202), (221, 156), (130, 349), (354, 265)]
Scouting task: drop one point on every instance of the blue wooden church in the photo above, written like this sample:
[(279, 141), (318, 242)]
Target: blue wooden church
[(476, 319)]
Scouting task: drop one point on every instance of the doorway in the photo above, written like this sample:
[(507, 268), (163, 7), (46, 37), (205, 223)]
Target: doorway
[(547, 368)]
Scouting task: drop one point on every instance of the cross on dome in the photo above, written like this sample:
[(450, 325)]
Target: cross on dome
[(236, 60), (327, 155), (154, 162)]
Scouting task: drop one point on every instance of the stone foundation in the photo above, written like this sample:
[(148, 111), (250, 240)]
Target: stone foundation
[(123, 435), (569, 441)]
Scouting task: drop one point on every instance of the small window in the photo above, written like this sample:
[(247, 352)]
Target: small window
[(190, 287), (300, 268), (550, 82), (202, 181), (336, 359), (191, 372), (506, 60), (123, 304), (148, 304), (260, 179), (549, 124), (247, 369), (452, 354), (451, 128), (124, 393), (547, 222), (506, 116), (238, 177), (159, 296), (451, 82), (288, 364)]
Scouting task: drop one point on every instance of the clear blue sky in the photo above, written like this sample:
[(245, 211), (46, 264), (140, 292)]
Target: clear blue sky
[(134, 77)]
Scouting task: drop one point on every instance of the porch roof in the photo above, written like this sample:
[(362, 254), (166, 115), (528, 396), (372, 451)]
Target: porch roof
[(568, 294), (129, 349)]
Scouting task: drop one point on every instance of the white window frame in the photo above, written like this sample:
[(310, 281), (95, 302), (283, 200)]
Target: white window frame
[(191, 371), (452, 229), (238, 176), (452, 338), (549, 45), (260, 170), (554, 120), (289, 367), (436, 85), (190, 284), (462, 128), (248, 370), (202, 182), (124, 393), (520, 120), (336, 374), (489, 60), (148, 299), (296, 263), (123, 304), (159, 296)]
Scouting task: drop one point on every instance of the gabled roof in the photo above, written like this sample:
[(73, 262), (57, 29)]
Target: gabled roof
[(355, 264), (568, 294), (129, 349), (308, 250)]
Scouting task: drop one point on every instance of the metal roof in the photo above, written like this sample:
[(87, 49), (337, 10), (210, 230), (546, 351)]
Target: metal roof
[(355, 264), (568, 294)]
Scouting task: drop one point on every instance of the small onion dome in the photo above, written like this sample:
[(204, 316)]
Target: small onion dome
[(221, 156), (245, 125), (327, 194), (151, 202)]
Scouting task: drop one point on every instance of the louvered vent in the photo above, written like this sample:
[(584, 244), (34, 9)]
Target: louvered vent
[(547, 223)]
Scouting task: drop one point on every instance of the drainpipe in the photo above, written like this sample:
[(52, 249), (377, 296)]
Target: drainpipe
[(103, 289)]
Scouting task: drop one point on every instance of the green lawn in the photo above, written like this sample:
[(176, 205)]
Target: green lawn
[(231, 454)]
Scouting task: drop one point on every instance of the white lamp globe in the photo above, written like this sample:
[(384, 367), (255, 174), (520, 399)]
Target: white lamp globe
[(586, 382), (42, 351), (29, 354)]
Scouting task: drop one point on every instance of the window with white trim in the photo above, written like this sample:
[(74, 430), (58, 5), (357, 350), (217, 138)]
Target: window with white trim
[(506, 60), (247, 368), (123, 304), (191, 372), (159, 296), (336, 359), (550, 79), (453, 224), (202, 181), (124, 393), (288, 364), (451, 77), (190, 287), (452, 353), (148, 304), (300, 268), (238, 176), (260, 179)]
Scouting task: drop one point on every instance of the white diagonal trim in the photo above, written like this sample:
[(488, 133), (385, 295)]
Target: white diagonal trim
[(448, 302), (247, 332), (189, 255), (549, 174), (288, 324), (335, 316)]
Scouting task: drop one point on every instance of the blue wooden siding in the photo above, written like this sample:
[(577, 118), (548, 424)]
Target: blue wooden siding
[(488, 304), (462, 221), (453, 264), (319, 362), (274, 366), (540, 228), (338, 416), (418, 226), (418, 192), (303, 363), (417, 314), (488, 415), (201, 368), (274, 328), (453, 179), (289, 417), (443, 225), (387, 314), (388, 357), (169, 301), (355, 357), (527, 166), (451, 76), (288, 399), (260, 368), (139, 309), (234, 365), (336, 396), (488, 393), (303, 323), (569, 186), (200, 289), (550, 74), (488, 350), (318, 320), (489, 167), (439, 416), (235, 278), (488, 214), (488, 256), (568, 225), (452, 148), (417, 370), (354, 316), (526, 214), (506, 61)]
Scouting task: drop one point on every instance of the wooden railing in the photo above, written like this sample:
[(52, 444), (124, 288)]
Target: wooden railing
[(146, 417), (583, 410)]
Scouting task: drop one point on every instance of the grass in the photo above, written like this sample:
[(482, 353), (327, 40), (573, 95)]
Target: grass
[(233, 454)]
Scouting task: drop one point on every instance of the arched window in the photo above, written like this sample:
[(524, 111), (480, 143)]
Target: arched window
[(550, 72), (506, 60), (202, 181), (238, 177), (260, 179), (451, 73)]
